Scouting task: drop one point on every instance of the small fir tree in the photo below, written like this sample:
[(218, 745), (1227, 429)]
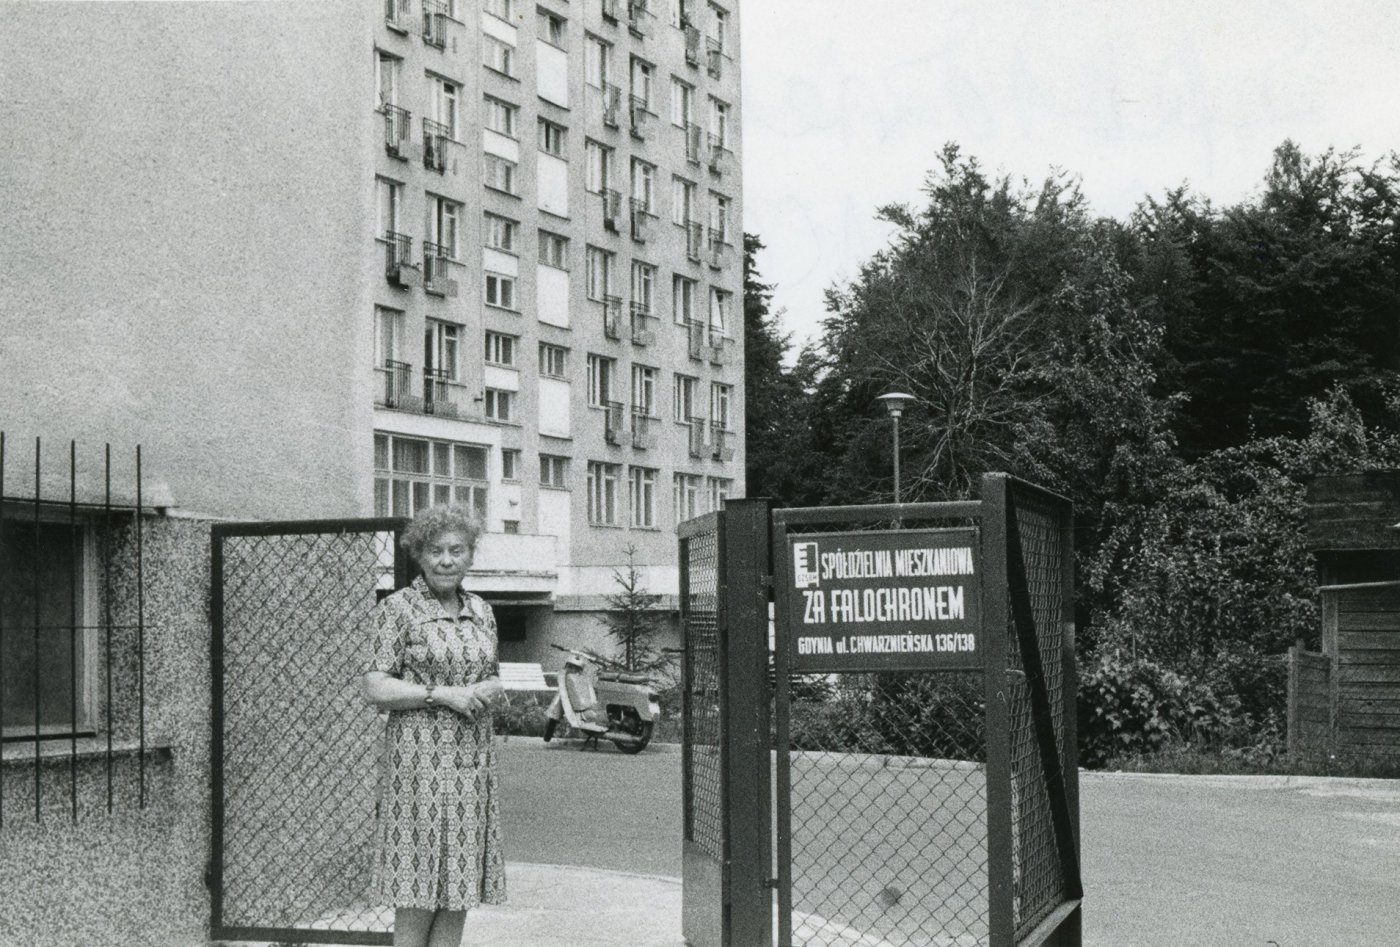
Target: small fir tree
[(634, 621)]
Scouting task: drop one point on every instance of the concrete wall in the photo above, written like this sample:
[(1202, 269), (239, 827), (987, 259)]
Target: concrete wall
[(185, 200)]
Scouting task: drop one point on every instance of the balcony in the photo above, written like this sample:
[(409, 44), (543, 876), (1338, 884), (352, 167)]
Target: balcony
[(641, 324), (435, 23), (719, 155), (435, 271), (638, 116), (395, 377), (515, 563), (436, 135), (639, 18), (716, 247), (695, 339), (694, 143), (721, 442), (697, 437), (714, 58), (718, 348), (641, 220), (612, 104), (694, 240), (612, 317), (398, 260), (692, 45), (612, 208), (397, 135), (643, 429), (612, 422), (441, 395), (396, 15)]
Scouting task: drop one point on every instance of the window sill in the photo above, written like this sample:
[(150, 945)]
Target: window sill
[(501, 190), (60, 750), (513, 312), (504, 75)]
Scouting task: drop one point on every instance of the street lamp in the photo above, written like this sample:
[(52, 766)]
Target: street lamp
[(895, 403)]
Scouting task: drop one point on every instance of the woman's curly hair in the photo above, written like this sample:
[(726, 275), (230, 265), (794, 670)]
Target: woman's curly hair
[(435, 521)]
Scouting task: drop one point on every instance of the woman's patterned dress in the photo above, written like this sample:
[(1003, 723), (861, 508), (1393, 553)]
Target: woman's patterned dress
[(439, 831)]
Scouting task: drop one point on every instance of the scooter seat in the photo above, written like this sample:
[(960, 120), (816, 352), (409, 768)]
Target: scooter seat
[(622, 677)]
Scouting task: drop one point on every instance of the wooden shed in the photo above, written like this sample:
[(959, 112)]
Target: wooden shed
[(1347, 697)]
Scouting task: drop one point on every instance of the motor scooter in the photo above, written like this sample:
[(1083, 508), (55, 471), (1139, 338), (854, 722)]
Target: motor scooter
[(617, 706)]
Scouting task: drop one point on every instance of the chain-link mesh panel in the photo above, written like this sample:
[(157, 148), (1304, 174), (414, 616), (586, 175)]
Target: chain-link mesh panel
[(888, 809), (703, 818), (1038, 882), (301, 746)]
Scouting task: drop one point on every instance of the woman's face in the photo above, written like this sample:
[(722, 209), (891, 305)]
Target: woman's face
[(445, 561)]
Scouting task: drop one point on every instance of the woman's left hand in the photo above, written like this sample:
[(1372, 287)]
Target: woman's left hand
[(463, 700)]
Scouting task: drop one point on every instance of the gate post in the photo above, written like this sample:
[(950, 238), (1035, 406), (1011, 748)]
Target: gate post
[(996, 622)]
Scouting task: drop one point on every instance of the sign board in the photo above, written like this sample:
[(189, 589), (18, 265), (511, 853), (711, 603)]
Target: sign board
[(884, 601)]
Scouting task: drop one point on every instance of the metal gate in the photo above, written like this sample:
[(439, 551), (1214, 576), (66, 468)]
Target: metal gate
[(295, 747), (909, 807)]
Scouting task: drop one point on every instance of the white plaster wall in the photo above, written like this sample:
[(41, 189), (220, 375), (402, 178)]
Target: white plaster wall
[(552, 295), (554, 407), (552, 74), (553, 185)]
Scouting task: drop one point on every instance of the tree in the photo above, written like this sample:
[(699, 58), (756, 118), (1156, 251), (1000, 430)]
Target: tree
[(771, 394), (634, 621)]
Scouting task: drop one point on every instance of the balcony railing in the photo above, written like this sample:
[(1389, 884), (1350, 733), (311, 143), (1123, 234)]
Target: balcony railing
[(398, 260), (435, 271), (435, 23), (612, 422), (642, 333), (638, 116), (397, 134), (697, 437), (441, 395), (612, 104), (612, 207), (721, 442), (718, 154), (716, 246), (396, 14), (694, 143), (692, 44), (397, 377), (718, 348), (643, 428), (639, 18), (694, 240), (610, 10), (641, 219), (612, 317), (695, 339), (714, 58), (436, 135)]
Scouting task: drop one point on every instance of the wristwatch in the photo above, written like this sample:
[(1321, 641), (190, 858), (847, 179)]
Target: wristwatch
[(428, 697)]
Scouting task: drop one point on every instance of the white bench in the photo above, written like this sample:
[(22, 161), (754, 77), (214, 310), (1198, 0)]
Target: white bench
[(523, 676)]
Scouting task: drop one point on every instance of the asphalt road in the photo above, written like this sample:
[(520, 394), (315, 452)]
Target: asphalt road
[(1179, 861)]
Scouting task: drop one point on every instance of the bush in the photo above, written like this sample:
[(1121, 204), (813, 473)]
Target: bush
[(936, 716)]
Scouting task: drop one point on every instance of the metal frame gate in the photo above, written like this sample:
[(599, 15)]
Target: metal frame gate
[(294, 746), (912, 807)]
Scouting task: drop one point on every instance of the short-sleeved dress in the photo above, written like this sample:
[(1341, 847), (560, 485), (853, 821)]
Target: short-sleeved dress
[(439, 836)]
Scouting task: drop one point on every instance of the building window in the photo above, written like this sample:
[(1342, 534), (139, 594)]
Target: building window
[(551, 138), (683, 298), (602, 493), (389, 69), (598, 272), (443, 216), (390, 199), (719, 122), (444, 104), (500, 173), (550, 29), (682, 102), (500, 405), (598, 158), (719, 404), (641, 82), (643, 175), (554, 360), (500, 291), (411, 474), (719, 20), (644, 390), (686, 496), (510, 464), (600, 380), (554, 472), (388, 335), (500, 349), (719, 313), (644, 286), (510, 527), (684, 391), (554, 250), (498, 56), (597, 61), (719, 489), (719, 216), (682, 201), (501, 116), (441, 348), (501, 232), (498, 8), (641, 497)]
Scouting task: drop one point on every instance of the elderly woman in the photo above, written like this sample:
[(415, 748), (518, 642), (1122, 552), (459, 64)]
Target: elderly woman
[(434, 670)]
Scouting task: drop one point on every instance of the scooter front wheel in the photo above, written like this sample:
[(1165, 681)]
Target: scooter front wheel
[(643, 738)]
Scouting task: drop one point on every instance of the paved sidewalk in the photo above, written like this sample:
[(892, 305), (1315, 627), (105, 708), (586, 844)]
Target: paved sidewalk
[(567, 906)]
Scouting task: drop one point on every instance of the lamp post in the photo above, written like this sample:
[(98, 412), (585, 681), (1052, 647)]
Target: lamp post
[(895, 403)]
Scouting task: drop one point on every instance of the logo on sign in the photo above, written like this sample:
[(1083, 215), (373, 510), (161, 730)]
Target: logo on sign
[(804, 565)]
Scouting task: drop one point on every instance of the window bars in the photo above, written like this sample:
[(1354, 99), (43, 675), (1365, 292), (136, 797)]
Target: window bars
[(72, 629)]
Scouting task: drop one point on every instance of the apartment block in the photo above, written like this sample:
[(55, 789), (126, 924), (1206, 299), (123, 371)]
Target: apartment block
[(556, 271)]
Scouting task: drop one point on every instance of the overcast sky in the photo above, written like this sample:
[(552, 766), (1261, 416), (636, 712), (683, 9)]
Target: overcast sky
[(847, 102)]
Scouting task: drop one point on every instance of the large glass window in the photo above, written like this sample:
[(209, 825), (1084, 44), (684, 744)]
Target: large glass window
[(602, 493), (684, 392), (641, 496), (411, 474), (441, 348), (600, 380)]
